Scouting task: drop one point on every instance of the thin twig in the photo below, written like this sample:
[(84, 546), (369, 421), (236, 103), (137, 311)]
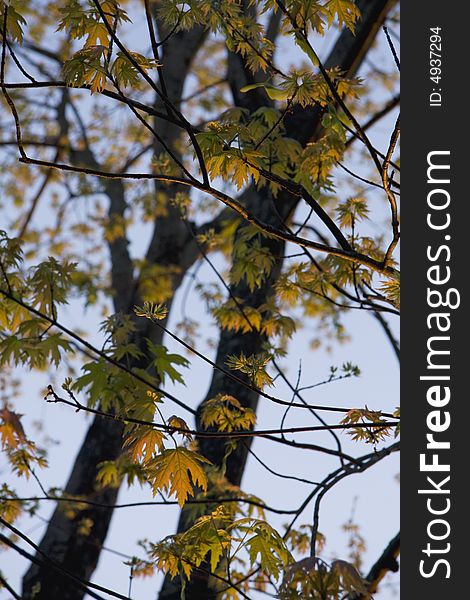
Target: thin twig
[(392, 47)]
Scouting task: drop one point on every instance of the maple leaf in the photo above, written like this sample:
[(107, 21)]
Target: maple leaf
[(164, 362), (307, 565), (108, 475), (126, 73), (350, 578), (268, 545), (152, 311), (391, 289), (253, 366), (180, 426), (362, 416), (15, 22), (207, 537), (10, 510), (176, 471), (227, 414), (253, 262), (97, 31), (230, 317), (11, 430), (144, 443), (345, 11), (140, 407), (273, 92), (184, 551), (86, 67)]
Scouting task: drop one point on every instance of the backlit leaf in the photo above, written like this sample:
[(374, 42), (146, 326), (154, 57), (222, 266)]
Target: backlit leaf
[(177, 471)]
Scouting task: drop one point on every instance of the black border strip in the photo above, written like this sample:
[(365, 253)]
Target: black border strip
[(435, 224)]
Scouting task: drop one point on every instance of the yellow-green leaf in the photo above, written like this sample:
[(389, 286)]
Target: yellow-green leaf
[(177, 471), (144, 443)]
